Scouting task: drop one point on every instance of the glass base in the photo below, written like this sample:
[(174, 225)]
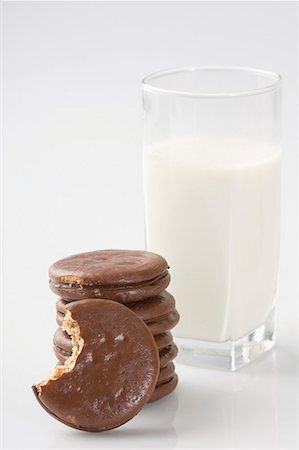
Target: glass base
[(229, 355)]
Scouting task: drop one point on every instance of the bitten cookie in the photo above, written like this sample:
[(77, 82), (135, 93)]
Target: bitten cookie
[(112, 372)]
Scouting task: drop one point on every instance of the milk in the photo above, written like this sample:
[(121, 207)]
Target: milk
[(212, 210)]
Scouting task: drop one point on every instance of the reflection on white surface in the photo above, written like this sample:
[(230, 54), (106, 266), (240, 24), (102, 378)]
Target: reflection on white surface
[(234, 410), (255, 407)]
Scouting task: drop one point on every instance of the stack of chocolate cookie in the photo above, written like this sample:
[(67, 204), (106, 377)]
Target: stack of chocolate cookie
[(137, 279)]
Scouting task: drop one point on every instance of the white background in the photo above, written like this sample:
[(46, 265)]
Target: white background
[(72, 136)]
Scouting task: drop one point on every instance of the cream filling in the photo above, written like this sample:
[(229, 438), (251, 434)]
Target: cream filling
[(72, 328)]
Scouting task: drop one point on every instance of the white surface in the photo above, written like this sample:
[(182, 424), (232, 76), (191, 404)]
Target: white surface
[(72, 182), (255, 407), (213, 211)]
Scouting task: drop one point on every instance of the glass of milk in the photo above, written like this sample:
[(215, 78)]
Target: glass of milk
[(212, 162)]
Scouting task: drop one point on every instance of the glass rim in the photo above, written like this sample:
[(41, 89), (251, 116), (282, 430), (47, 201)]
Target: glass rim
[(275, 77)]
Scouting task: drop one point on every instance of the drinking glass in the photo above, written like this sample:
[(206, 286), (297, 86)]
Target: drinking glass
[(211, 171)]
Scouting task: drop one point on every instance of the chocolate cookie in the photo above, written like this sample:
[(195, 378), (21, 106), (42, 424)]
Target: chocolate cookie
[(122, 275), (62, 341), (59, 318), (148, 309), (61, 354), (156, 326), (153, 307), (166, 373), (112, 372), (163, 323), (167, 354), (164, 389), (163, 339), (62, 349)]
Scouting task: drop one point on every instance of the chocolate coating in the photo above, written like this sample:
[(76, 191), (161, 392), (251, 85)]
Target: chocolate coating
[(122, 275), (167, 354), (153, 307), (163, 339), (148, 309), (60, 305), (61, 354), (114, 375), (156, 326), (63, 344), (59, 318), (63, 341), (163, 323), (166, 373), (164, 389)]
